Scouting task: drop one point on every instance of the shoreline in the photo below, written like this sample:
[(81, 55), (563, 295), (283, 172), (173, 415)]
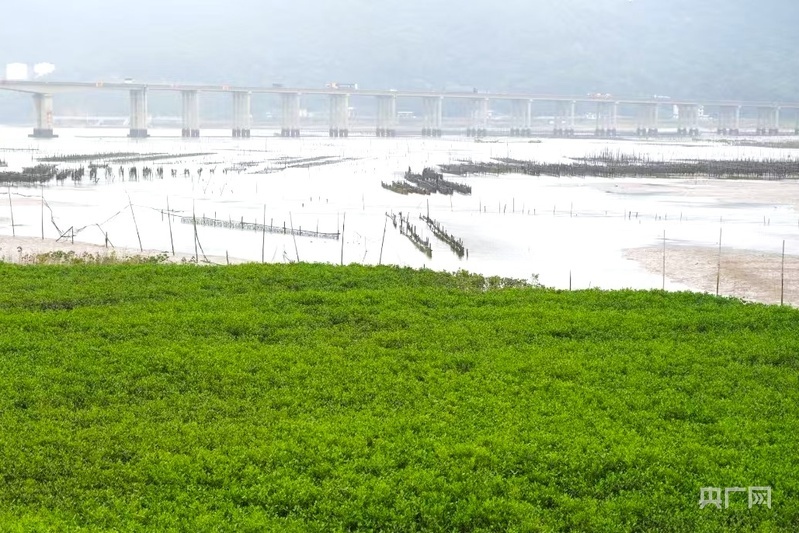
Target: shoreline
[(750, 275), (28, 251)]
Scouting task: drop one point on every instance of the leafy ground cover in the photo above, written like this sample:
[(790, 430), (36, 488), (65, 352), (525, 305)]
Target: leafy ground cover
[(152, 397)]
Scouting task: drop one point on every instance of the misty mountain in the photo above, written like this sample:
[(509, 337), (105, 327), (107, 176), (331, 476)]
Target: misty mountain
[(682, 48)]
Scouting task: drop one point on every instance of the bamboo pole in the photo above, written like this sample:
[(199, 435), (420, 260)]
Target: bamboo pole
[(138, 236), (718, 271), (263, 237), (344, 222), (663, 287), (782, 276), (380, 260), (42, 190), (294, 238), (169, 219), (194, 223), (11, 207)]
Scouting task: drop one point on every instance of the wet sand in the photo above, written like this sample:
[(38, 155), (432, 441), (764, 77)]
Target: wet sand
[(750, 275)]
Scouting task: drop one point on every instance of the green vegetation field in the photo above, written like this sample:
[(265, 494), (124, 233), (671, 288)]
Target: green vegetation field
[(316, 398)]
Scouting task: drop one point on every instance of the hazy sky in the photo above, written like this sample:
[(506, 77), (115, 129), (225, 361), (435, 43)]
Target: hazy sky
[(575, 45)]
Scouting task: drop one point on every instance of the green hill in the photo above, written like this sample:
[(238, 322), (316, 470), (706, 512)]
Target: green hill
[(319, 398)]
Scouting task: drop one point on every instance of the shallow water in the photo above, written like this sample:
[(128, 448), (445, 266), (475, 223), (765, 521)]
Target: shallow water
[(512, 225)]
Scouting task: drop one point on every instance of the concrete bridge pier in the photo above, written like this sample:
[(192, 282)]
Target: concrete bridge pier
[(606, 119), (241, 114), (564, 119), (432, 116), (386, 116), (138, 114), (688, 119), (191, 115), (647, 120), (729, 120), (521, 118), (43, 105), (339, 115), (291, 115), (478, 117), (768, 121)]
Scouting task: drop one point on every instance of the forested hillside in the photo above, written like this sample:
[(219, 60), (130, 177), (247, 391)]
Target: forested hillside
[(712, 48)]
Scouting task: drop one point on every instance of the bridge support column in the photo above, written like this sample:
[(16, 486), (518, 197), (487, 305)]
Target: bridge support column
[(478, 118), (191, 115), (606, 118), (339, 115), (432, 107), (563, 124), (290, 117), (241, 114), (386, 116), (43, 104), (138, 114), (729, 120), (688, 119), (647, 120), (768, 121), (521, 118)]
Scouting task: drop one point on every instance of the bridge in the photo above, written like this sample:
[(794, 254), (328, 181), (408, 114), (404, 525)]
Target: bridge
[(606, 116)]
